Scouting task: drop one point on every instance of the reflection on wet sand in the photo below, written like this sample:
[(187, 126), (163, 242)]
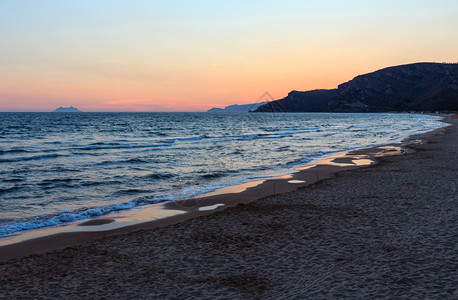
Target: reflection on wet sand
[(363, 162), (210, 207), (296, 181)]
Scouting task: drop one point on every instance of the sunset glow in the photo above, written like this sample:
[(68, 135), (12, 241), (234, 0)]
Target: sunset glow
[(194, 55)]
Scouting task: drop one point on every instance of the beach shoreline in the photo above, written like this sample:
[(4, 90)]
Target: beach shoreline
[(383, 231), (48, 239), (61, 199)]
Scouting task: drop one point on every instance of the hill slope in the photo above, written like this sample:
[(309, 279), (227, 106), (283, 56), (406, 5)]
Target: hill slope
[(418, 87)]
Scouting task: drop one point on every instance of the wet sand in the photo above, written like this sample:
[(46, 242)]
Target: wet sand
[(384, 231)]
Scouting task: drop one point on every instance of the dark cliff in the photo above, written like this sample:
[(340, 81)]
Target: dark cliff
[(413, 87), (311, 101)]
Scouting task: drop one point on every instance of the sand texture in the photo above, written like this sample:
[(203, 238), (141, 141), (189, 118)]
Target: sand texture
[(385, 231)]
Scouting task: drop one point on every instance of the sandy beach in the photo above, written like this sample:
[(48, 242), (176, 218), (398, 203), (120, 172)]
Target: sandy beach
[(383, 231)]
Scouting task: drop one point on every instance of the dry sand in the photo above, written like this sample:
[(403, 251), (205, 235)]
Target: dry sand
[(385, 231)]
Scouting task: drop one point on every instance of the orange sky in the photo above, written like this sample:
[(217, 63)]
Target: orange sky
[(194, 55)]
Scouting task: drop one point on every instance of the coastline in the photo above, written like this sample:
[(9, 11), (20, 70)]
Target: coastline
[(48, 239), (386, 230), (147, 186)]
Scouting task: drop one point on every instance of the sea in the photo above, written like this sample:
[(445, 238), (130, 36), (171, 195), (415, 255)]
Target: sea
[(58, 168)]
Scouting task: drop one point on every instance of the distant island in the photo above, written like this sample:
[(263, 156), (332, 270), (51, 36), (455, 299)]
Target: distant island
[(238, 108), (411, 87), (67, 109)]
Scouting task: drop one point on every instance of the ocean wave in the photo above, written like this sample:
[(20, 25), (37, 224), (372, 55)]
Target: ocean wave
[(2, 152), (58, 182), (131, 191), (48, 181), (10, 189), (360, 126), (246, 137), (23, 158), (214, 175), (98, 147), (135, 160), (13, 179), (173, 140), (276, 135), (253, 136), (293, 131), (68, 216), (194, 138), (160, 176), (96, 183), (283, 148)]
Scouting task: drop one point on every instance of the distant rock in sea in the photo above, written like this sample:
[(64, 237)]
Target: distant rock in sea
[(238, 108), (67, 109)]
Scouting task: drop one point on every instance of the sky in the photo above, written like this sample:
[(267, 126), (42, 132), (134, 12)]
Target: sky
[(194, 55)]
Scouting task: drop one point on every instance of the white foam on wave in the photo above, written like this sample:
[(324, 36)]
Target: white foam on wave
[(68, 216), (296, 181)]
